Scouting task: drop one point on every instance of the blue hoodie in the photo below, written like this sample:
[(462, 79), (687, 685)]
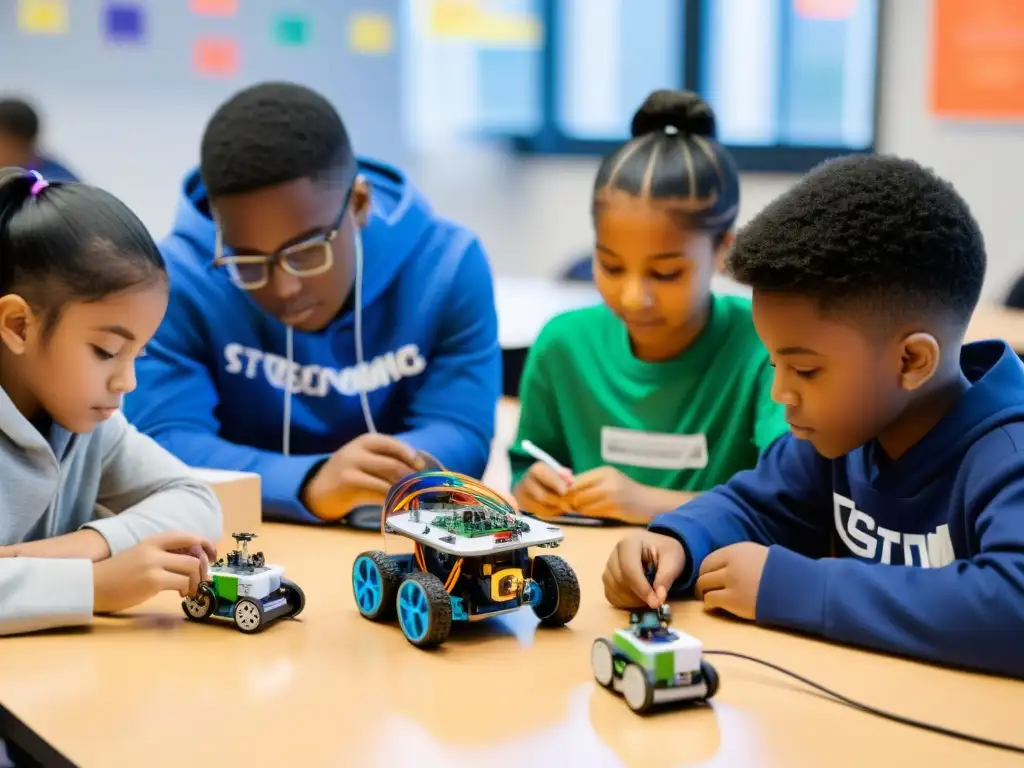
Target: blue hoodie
[(51, 170), (927, 551), (211, 388)]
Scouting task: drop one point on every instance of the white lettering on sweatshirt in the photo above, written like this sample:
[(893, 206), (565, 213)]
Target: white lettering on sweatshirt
[(870, 541), (319, 380)]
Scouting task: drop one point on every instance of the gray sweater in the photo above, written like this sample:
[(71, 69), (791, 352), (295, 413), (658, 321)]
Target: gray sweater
[(114, 480)]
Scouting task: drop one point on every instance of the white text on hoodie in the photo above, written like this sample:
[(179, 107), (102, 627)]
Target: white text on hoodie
[(318, 380), (867, 539)]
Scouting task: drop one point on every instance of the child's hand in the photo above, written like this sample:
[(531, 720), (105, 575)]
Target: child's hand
[(157, 564), (608, 493), (360, 472), (541, 491), (625, 575), (730, 577)]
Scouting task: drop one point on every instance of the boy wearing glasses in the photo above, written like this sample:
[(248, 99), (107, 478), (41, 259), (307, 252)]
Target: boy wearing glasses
[(326, 329)]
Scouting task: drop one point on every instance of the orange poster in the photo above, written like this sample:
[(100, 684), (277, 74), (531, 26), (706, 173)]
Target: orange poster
[(978, 59), (215, 57)]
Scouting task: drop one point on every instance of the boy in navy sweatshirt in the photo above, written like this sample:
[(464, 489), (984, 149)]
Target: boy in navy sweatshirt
[(893, 515), (326, 329)]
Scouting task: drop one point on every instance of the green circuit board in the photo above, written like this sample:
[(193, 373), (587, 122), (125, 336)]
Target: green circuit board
[(471, 522)]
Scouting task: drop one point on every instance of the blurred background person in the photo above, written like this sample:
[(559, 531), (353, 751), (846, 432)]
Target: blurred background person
[(19, 142)]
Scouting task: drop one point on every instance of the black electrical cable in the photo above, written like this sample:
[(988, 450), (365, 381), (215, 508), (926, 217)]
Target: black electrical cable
[(875, 710)]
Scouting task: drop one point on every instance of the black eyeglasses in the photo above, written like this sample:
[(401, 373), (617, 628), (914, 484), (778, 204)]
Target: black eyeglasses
[(312, 256)]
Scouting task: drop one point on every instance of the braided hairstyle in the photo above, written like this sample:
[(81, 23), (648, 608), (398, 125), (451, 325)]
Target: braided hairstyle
[(674, 161)]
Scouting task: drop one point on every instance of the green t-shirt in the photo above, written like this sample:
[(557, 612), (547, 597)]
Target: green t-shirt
[(686, 424)]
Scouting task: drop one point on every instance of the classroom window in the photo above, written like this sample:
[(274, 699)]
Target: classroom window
[(792, 81), (609, 54), (471, 68), (797, 73)]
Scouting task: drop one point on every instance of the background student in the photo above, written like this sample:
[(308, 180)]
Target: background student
[(664, 389), (892, 517), (82, 288), (327, 329), (19, 142)]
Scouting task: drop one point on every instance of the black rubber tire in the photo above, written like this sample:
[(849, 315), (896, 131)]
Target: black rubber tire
[(391, 577), (556, 578), (440, 607), (207, 590), (295, 596), (710, 675)]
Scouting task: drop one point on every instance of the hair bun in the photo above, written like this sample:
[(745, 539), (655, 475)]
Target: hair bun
[(684, 111)]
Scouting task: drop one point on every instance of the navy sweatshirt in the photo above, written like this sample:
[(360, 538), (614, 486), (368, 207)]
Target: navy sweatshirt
[(929, 549)]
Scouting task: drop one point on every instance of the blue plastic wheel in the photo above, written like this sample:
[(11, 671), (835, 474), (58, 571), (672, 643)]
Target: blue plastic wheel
[(424, 610), (375, 580)]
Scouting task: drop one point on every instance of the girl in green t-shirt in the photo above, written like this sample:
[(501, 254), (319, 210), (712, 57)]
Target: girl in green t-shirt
[(664, 390)]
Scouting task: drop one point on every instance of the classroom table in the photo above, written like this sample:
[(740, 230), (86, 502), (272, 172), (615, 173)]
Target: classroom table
[(333, 689)]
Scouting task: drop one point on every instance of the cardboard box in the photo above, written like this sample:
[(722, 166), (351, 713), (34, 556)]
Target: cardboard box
[(240, 495)]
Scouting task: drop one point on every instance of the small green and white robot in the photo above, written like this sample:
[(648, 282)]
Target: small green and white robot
[(245, 590), (650, 663)]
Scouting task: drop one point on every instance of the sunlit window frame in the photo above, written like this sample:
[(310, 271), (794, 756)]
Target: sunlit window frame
[(550, 140)]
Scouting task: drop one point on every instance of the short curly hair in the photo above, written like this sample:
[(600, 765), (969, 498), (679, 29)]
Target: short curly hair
[(272, 133), (869, 232)]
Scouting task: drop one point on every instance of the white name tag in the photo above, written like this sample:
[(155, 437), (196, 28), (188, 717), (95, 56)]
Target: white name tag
[(655, 450)]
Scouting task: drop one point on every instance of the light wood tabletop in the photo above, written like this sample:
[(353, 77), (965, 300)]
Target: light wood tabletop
[(334, 689)]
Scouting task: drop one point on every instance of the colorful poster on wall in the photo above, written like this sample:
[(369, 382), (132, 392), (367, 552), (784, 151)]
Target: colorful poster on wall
[(370, 34), (43, 17), (978, 59), (223, 8), (292, 30), (215, 57), (124, 23), (475, 21)]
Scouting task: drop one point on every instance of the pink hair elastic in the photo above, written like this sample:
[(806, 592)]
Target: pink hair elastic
[(39, 185)]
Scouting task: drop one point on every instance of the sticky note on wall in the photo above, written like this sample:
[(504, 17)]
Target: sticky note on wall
[(43, 17), (292, 30), (825, 10), (215, 57), (370, 33), (213, 7), (124, 23)]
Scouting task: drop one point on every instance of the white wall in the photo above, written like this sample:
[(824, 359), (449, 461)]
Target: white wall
[(984, 162), (129, 117)]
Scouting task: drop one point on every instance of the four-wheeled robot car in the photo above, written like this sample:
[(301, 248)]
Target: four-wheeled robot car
[(649, 663), (246, 590), (470, 561)]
